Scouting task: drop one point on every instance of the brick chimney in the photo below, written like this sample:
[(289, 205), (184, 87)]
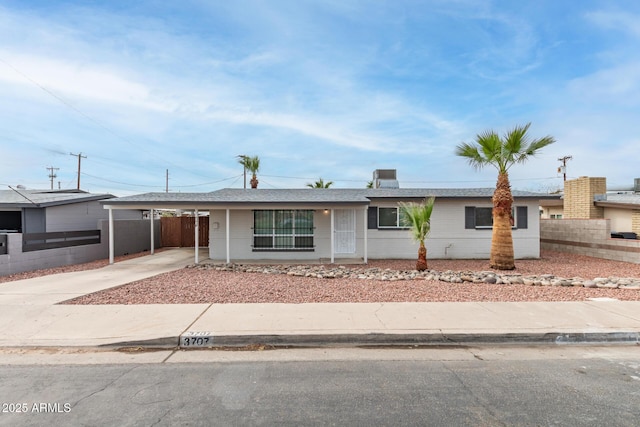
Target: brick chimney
[(579, 197)]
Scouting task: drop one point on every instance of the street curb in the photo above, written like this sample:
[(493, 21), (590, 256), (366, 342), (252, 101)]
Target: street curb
[(382, 339)]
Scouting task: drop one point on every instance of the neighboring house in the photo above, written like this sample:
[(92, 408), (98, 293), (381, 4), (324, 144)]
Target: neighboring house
[(328, 224), (595, 222), (39, 211), (51, 228), (588, 198)]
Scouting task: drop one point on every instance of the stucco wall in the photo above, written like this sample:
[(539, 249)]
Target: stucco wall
[(590, 237), (619, 219)]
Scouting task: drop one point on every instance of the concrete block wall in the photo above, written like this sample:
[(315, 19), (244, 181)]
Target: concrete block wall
[(591, 237), (579, 197)]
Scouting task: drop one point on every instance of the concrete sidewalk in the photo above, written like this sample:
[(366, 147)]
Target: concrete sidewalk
[(29, 317)]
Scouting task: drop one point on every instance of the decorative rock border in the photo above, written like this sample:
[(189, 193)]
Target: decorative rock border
[(491, 277)]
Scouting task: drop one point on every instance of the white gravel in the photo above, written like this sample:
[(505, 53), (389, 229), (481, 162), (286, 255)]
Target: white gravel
[(190, 286)]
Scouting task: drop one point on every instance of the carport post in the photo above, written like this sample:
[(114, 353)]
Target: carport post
[(366, 228), (111, 234), (227, 231), (333, 232), (197, 236), (151, 220)]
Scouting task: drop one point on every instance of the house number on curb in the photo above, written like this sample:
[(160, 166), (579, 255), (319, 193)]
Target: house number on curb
[(196, 339)]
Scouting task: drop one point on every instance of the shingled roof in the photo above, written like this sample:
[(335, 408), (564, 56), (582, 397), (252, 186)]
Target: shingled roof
[(309, 196)]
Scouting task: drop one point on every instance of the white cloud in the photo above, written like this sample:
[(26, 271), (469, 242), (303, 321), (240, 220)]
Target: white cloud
[(619, 21)]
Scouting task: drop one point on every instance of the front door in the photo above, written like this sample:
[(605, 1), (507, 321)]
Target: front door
[(345, 231)]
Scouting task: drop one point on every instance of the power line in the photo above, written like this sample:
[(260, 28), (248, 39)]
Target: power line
[(160, 186), (90, 118)]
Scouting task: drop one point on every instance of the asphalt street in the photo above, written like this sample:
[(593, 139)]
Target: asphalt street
[(571, 386)]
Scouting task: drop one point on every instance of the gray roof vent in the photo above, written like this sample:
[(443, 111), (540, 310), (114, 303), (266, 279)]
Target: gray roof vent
[(385, 178)]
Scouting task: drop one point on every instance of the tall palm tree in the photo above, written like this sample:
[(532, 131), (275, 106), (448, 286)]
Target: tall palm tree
[(502, 153), (251, 164), (320, 184), (418, 217)]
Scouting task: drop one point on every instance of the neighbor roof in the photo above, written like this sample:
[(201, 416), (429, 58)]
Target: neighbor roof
[(309, 196), (20, 198)]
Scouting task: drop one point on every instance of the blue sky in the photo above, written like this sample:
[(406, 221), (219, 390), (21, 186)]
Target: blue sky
[(328, 88)]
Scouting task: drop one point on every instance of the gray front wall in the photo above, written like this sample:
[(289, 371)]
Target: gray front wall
[(241, 237), (448, 238)]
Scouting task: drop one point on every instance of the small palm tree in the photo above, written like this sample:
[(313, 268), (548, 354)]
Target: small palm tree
[(251, 164), (320, 184), (502, 153), (369, 184), (418, 217)]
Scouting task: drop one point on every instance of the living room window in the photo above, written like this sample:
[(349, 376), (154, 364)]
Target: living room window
[(283, 230)]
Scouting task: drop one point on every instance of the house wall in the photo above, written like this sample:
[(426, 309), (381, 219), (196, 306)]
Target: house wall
[(590, 237), (83, 216), (448, 238), (552, 212), (131, 236), (241, 238), (619, 219)]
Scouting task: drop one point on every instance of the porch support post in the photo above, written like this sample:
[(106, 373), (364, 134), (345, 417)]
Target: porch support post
[(228, 235), (366, 228), (152, 237), (111, 236), (333, 234), (197, 236)]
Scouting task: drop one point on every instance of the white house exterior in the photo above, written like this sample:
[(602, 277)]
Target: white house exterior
[(360, 224)]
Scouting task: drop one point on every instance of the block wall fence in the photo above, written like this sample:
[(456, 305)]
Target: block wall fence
[(589, 237)]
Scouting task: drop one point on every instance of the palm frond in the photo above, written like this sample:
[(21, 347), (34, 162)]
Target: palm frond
[(417, 216)]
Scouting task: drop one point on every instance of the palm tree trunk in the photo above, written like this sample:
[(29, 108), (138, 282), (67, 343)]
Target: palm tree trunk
[(421, 264), (502, 257), (254, 181)]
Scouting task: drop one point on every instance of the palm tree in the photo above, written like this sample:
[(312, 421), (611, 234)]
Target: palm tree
[(320, 184), (369, 184), (418, 217), (251, 164), (502, 153)]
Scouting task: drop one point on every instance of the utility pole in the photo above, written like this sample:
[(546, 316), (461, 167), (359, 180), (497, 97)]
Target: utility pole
[(563, 168), (52, 174), (80, 157), (167, 182)]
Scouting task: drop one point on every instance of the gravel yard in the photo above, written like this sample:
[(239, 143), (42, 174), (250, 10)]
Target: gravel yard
[(197, 285)]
